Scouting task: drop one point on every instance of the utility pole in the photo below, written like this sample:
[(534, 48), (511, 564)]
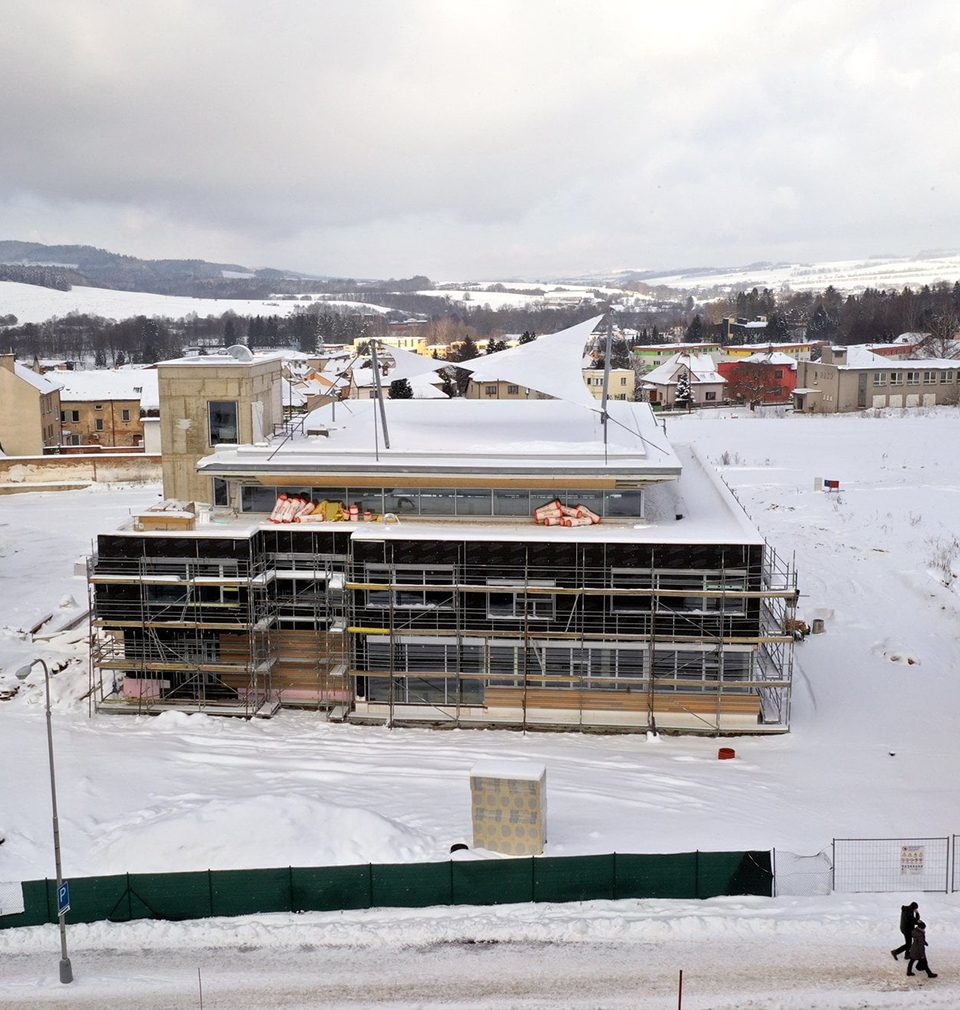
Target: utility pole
[(606, 384), (377, 383)]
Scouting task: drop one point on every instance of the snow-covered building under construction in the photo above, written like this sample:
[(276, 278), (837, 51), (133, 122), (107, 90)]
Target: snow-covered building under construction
[(540, 563)]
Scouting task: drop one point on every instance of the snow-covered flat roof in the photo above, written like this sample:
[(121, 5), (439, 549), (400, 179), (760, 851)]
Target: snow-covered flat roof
[(460, 436), (696, 509), (220, 360)]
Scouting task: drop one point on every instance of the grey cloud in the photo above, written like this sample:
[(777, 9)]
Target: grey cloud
[(466, 139)]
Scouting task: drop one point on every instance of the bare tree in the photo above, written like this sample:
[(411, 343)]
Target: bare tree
[(941, 340), (752, 382)]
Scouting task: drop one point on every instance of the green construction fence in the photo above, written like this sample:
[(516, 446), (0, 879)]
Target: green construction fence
[(205, 893)]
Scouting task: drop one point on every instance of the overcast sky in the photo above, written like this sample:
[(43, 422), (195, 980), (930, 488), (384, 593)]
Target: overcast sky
[(483, 140)]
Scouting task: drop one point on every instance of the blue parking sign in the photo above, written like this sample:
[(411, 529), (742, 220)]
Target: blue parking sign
[(63, 898)]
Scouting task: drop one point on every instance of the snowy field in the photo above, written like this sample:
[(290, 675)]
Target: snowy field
[(873, 752), (31, 303), (845, 275)]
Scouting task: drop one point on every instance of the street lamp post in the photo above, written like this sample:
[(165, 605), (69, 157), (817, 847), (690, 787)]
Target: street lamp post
[(66, 970)]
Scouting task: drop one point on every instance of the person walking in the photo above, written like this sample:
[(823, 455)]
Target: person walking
[(918, 951), (909, 917)]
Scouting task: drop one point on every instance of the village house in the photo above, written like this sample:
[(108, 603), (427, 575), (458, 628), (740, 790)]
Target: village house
[(29, 410), (764, 377), (102, 408), (705, 383)]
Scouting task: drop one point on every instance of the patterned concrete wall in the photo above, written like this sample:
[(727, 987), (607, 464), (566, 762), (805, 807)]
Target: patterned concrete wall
[(509, 808)]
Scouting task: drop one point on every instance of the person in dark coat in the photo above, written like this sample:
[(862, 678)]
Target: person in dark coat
[(909, 917), (918, 951)]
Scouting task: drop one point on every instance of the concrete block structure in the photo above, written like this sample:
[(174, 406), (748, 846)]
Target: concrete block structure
[(209, 401)]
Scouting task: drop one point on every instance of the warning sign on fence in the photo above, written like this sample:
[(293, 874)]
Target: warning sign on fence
[(911, 859)]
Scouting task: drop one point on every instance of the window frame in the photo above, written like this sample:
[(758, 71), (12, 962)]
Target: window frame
[(410, 597), (533, 603), (211, 404)]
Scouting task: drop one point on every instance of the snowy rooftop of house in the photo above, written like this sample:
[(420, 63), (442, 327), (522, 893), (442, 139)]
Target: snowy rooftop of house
[(110, 384), (772, 358), (699, 366), (860, 356), (462, 436), (39, 382)]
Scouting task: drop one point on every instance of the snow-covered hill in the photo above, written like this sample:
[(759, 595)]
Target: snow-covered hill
[(848, 276), (31, 303)]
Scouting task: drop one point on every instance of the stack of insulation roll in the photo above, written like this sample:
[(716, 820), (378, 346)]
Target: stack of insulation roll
[(290, 508), (555, 513)]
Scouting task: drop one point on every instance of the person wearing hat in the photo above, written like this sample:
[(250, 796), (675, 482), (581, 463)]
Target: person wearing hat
[(918, 951)]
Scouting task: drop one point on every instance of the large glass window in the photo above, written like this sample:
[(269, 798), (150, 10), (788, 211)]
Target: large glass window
[(370, 499), (258, 499), (221, 493), (473, 502), (508, 502), (635, 579), (401, 500), (622, 503), (516, 605), (694, 583), (411, 587), (437, 501), (223, 422)]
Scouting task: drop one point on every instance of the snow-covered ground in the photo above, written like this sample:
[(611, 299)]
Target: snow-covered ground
[(31, 303), (872, 752)]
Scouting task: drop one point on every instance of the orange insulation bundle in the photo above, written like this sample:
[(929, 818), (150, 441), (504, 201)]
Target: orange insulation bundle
[(278, 508), (584, 513), (552, 510)]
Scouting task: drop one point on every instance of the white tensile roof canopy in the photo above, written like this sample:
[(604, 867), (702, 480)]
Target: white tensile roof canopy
[(550, 364)]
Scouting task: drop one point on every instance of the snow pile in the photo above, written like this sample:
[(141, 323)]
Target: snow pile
[(195, 832)]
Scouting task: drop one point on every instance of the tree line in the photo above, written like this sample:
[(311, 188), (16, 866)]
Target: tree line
[(873, 316)]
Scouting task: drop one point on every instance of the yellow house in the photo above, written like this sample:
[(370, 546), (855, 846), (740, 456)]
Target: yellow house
[(406, 342), (620, 386), (29, 410)]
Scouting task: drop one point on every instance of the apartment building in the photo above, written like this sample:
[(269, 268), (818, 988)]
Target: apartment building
[(854, 378)]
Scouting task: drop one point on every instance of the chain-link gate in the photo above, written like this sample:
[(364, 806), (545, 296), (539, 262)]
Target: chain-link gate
[(891, 864)]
